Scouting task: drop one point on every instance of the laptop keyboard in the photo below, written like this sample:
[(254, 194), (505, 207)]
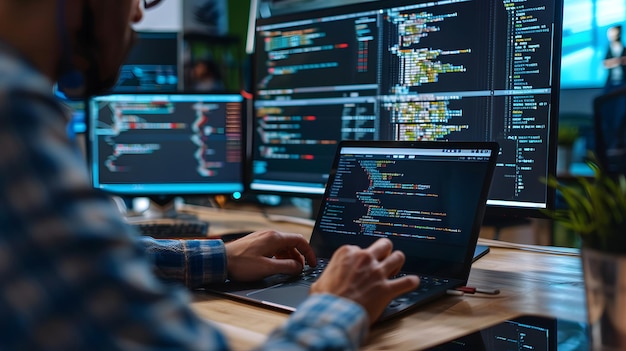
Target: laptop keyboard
[(426, 284), (311, 274)]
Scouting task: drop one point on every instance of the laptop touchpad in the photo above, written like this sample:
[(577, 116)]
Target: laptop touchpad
[(290, 295)]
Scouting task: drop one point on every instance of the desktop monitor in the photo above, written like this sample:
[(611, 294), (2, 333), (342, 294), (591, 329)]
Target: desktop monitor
[(153, 64), (161, 145), (408, 70)]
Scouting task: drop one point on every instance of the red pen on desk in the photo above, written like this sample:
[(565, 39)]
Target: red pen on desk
[(473, 290)]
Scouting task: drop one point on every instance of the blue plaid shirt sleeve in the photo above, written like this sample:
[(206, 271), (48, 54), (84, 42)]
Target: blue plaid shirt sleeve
[(192, 262), (322, 322)]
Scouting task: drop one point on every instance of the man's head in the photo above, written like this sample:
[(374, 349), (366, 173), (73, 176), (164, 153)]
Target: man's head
[(614, 33), (88, 39), (99, 36)]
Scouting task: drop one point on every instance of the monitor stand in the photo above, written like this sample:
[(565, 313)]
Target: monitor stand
[(498, 223), (160, 208), (501, 222)]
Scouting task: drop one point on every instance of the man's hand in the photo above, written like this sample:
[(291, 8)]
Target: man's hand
[(263, 253), (612, 62), (362, 275)]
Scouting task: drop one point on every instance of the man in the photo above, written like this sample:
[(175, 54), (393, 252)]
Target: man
[(613, 123), (73, 276), (615, 59)]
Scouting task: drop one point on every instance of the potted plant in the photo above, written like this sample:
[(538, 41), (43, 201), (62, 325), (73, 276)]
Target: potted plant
[(595, 209)]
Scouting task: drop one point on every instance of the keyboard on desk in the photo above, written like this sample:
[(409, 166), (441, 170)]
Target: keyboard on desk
[(311, 274), (173, 229)]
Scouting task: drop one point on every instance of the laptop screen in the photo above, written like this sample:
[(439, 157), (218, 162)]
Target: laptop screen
[(427, 197)]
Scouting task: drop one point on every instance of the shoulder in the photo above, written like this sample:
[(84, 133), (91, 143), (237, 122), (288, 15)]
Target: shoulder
[(16, 74), (25, 94)]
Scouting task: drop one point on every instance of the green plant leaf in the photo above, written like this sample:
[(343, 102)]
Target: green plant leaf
[(595, 208)]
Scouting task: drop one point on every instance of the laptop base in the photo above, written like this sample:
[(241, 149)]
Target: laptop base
[(480, 251)]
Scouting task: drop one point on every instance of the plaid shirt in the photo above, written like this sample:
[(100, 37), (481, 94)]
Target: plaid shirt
[(73, 275)]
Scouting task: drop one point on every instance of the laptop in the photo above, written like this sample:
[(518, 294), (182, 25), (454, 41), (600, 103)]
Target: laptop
[(428, 198)]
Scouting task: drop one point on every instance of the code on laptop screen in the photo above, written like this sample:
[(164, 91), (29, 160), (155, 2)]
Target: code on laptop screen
[(425, 200)]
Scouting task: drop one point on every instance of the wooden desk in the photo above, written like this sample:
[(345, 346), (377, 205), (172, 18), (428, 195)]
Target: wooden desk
[(531, 282)]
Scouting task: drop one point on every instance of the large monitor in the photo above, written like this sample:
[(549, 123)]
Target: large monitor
[(409, 70), (166, 144)]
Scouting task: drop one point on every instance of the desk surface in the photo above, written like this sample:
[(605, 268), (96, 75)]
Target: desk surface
[(531, 281)]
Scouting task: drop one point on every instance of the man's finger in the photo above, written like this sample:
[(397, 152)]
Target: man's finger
[(297, 241), (404, 284), (284, 266), (381, 248), (393, 263)]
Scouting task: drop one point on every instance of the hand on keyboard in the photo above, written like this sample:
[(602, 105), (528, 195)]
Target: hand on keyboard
[(267, 252), (364, 276)]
